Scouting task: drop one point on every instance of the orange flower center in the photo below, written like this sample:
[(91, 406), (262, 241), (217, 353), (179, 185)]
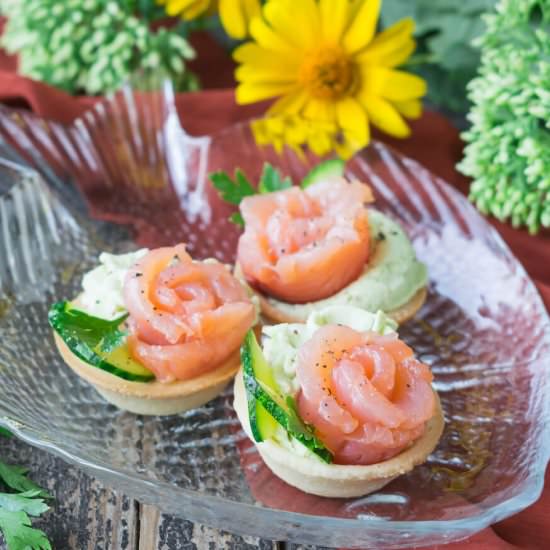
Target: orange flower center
[(328, 73)]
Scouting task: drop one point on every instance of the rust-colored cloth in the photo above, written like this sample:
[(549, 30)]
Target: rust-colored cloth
[(435, 143)]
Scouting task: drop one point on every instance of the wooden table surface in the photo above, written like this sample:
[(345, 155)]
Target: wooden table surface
[(87, 515)]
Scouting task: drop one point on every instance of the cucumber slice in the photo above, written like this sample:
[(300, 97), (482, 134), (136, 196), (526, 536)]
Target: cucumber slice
[(328, 169), (266, 405), (97, 342)]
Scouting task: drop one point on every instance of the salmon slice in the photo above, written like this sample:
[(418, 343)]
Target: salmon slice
[(304, 245), (186, 317), (366, 395)]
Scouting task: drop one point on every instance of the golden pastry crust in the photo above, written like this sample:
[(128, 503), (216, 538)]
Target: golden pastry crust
[(153, 398), (335, 480)]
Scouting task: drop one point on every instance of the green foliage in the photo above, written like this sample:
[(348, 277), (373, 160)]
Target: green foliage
[(508, 151), (271, 180), (19, 535), (4, 432), (445, 56), (15, 477), (94, 46), (26, 499), (235, 190)]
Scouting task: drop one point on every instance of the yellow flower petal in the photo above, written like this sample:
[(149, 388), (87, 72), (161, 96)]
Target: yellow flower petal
[(334, 19), (394, 37), (363, 26), (187, 9), (321, 110), (387, 54), (401, 86), (233, 18), (385, 116), (352, 118), (264, 73), (320, 143), (285, 16), (266, 37), (257, 91), (391, 84), (251, 53), (175, 7), (236, 15), (291, 103), (411, 108)]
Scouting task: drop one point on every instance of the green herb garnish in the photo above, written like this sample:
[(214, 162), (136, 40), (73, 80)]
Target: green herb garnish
[(271, 180), (23, 499), (233, 191), (98, 342)]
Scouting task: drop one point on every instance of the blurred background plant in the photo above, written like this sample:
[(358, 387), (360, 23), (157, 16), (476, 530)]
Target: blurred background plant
[(93, 46), (508, 151), (329, 83), (445, 56)]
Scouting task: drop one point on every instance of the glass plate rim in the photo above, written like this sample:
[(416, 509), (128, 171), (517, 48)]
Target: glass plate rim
[(531, 487)]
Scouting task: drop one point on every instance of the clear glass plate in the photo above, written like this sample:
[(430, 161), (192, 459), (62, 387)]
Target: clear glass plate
[(125, 174)]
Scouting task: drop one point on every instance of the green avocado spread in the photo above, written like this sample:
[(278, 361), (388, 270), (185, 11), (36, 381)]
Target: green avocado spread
[(392, 275)]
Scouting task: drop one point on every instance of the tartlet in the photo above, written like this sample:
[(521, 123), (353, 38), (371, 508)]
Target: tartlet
[(335, 480), (153, 398), (155, 332), (314, 246), (338, 406)]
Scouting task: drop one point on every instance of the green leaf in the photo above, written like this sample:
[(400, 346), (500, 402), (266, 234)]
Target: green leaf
[(237, 219), (15, 477), (234, 190), (93, 340), (18, 533), (271, 180), (5, 433), (24, 502)]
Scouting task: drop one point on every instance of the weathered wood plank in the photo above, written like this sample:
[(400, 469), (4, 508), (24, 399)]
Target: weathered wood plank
[(84, 515), (164, 532)]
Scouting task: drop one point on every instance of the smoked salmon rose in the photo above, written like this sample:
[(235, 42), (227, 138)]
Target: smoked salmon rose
[(302, 245), (186, 317), (366, 395)]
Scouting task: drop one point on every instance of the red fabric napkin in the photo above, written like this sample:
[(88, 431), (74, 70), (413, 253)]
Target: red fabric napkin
[(434, 143)]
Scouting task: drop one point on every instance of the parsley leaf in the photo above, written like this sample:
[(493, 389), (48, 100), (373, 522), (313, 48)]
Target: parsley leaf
[(271, 180), (4, 432), (19, 535), (24, 502), (234, 190), (15, 478), (15, 509), (237, 219)]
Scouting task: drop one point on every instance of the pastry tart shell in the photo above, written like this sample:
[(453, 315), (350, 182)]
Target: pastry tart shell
[(335, 480)]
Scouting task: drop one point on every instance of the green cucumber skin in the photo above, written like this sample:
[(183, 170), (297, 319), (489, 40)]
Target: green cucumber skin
[(328, 168), (254, 413), (288, 419), (84, 352)]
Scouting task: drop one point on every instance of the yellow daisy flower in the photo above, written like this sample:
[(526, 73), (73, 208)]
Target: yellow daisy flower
[(324, 62), (235, 15)]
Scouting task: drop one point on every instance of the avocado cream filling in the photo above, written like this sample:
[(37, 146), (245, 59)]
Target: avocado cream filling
[(281, 343), (392, 276)]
